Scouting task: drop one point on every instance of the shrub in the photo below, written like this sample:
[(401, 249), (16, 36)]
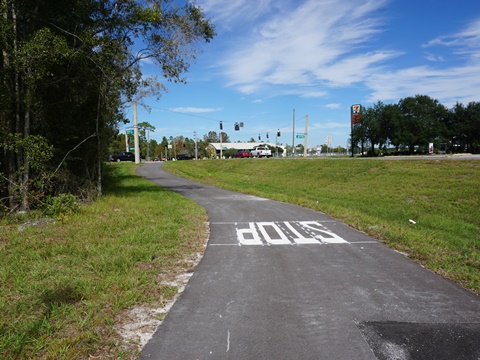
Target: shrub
[(62, 204)]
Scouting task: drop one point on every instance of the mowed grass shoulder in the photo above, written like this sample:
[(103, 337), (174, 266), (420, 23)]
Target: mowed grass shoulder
[(378, 197), (65, 285)]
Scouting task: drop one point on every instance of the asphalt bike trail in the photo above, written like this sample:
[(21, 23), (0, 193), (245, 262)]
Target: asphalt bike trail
[(278, 281)]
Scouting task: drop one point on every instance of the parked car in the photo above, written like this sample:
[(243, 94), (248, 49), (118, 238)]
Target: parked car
[(123, 156), (184, 157), (242, 154)]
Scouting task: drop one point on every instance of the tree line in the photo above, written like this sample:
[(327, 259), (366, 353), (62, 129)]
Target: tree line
[(151, 149), (67, 71), (410, 125), (407, 127)]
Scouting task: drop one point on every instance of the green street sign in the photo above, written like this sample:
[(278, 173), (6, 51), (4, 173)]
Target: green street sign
[(129, 132), (300, 136), (131, 149)]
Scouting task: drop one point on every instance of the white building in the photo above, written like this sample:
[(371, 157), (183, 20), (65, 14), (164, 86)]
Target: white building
[(245, 146)]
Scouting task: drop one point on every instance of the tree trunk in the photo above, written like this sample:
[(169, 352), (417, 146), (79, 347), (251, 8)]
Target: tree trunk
[(26, 162), (412, 149), (13, 160), (8, 154), (99, 144)]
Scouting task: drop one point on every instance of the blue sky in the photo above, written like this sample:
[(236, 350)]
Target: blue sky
[(318, 57)]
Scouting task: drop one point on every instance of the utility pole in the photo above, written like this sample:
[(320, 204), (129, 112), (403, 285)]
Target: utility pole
[(276, 143), (293, 134), (196, 148), (328, 141), (305, 142), (221, 146), (135, 133), (148, 144)]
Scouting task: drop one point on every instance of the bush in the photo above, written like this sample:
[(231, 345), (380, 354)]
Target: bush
[(62, 204)]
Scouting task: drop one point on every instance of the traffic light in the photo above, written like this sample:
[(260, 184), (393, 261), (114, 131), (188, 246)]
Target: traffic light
[(267, 135), (278, 133), (221, 126), (237, 127)]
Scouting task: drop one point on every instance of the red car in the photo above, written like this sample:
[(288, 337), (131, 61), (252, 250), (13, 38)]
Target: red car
[(242, 154)]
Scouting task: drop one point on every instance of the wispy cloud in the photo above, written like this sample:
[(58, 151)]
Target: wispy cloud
[(465, 42), (332, 106), (303, 92), (315, 43), (433, 57), (309, 48), (195, 110), (447, 84), (327, 125), (229, 12)]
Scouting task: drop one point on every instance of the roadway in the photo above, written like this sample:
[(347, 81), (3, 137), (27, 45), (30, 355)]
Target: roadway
[(278, 281)]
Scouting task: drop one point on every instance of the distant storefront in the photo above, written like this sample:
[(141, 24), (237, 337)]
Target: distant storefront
[(244, 146)]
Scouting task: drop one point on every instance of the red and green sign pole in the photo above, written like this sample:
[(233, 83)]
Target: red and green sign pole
[(355, 117)]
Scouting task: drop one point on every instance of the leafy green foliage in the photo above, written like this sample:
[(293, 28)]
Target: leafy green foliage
[(416, 122), (61, 205), (68, 71), (66, 286), (37, 152), (421, 120), (38, 56)]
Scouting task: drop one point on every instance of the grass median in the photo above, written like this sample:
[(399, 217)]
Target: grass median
[(428, 209), (64, 284)]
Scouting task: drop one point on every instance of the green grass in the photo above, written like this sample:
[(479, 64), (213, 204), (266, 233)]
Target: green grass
[(63, 286), (375, 196)]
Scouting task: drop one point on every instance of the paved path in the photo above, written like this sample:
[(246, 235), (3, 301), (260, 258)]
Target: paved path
[(279, 281)]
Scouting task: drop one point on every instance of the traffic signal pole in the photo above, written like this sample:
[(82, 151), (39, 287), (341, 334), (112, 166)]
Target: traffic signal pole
[(221, 146), (305, 141), (293, 134)]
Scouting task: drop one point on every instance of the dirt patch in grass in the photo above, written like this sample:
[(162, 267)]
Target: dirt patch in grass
[(137, 325)]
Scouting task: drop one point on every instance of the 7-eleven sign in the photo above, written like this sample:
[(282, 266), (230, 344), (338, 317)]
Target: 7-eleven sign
[(356, 113)]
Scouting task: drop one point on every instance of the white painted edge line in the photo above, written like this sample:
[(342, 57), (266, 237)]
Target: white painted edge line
[(346, 243), (223, 244), (247, 222), (364, 242)]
